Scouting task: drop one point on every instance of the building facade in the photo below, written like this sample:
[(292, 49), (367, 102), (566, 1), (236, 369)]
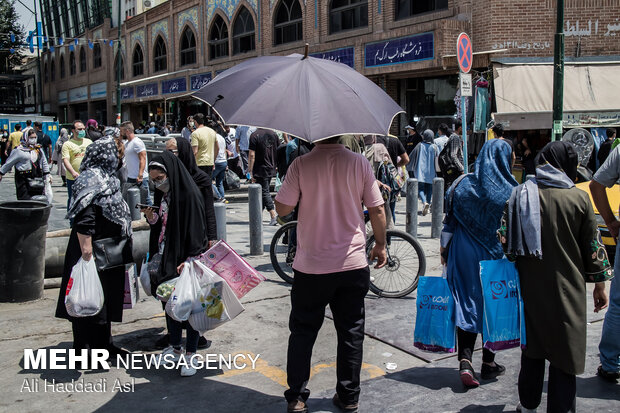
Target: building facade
[(407, 47)]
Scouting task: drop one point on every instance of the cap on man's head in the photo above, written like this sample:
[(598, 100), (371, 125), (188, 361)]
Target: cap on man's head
[(409, 127), (152, 123)]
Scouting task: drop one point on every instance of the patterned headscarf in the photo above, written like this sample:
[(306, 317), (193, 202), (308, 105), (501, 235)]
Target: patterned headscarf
[(98, 185)]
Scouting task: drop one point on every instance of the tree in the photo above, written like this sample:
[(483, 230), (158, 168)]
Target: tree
[(9, 23)]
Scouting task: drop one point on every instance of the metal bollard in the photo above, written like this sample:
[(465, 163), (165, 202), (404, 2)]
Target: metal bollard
[(255, 204), (220, 219), (437, 208), (411, 225), (133, 199), (530, 176)]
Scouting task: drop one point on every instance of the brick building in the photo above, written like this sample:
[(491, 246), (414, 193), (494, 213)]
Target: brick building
[(406, 46)]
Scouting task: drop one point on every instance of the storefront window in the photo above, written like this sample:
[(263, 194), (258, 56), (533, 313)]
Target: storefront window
[(218, 39), (431, 96), (243, 32), (407, 8), (288, 23), (347, 15)]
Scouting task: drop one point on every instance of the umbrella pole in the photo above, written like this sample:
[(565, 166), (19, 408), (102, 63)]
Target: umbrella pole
[(306, 47)]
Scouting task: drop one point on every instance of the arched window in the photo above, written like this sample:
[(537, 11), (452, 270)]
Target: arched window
[(138, 61), (347, 15), (82, 60), (116, 68), (45, 72), (63, 71), (72, 67), (160, 57), (188, 47), (243, 32), (218, 38), (288, 24), (97, 55), (407, 8), (53, 71)]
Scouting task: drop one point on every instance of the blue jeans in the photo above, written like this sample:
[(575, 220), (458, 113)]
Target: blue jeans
[(219, 173), (69, 196), (425, 192), (609, 347), (175, 329), (145, 192)]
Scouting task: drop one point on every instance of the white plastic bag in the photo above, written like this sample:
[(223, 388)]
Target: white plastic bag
[(184, 296), (145, 278), (84, 296), (48, 190)]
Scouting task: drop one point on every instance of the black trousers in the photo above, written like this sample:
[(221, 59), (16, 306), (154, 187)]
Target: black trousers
[(562, 387), (311, 293), (466, 342), (208, 170), (267, 201), (91, 335)]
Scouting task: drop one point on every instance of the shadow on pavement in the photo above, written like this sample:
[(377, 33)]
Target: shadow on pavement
[(441, 378)]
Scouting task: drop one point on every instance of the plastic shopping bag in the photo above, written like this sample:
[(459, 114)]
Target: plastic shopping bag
[(48, 190), (229, 265), (501, 323), (185, 295), (164, 290), (132, 291), (217, 303), (434, 324), (145, 277), (84, 295)]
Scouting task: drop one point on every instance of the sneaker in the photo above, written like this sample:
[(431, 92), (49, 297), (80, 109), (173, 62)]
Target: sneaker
[(273, 222), (224, 201), (345, 407), (296, 406), (489, 373), (425, 209), (190, 370), (468, 377), (176, 355), (608, 375), (203, 343)]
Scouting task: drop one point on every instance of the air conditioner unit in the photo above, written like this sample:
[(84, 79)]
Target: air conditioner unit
[(147, 3)]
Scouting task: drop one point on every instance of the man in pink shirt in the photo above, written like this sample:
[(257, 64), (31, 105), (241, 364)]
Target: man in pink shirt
[(329, 185)]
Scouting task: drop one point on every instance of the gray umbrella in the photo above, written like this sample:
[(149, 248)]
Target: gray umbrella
[(310, 98)]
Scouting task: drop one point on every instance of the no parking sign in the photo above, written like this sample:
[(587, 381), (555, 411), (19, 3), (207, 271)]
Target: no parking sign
[(464, 52)]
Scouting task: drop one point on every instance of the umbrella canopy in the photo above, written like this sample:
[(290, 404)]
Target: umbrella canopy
[(310, 98)]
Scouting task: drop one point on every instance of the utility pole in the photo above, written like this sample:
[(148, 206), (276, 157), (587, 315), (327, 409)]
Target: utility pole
[(39, 92), (119, 70), (558, 74)]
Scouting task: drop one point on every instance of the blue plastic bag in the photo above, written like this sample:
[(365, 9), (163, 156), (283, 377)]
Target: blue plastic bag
[(502, 324), (434, 323)]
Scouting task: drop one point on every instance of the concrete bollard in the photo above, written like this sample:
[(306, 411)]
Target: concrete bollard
[(133, 199), (437, 208), (411, 226), (255, 204), (220, 218), (530, 176)]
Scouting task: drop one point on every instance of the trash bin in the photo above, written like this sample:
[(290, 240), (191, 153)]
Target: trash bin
[(23, 226)]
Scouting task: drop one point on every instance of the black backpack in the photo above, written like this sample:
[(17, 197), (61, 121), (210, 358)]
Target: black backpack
[(447, 165)]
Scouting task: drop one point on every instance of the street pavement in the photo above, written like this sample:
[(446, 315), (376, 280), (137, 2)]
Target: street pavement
[(413, 385)]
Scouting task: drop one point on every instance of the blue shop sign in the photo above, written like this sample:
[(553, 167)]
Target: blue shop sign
[(127, 93), (174, 85), (145, 91), (199, 81), (345, 56), (401, 50)]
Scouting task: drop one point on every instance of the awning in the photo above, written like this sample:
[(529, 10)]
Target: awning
[(524, 95)]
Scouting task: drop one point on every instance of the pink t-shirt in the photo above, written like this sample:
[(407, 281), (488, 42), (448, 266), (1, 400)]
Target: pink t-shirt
[(330, 183)]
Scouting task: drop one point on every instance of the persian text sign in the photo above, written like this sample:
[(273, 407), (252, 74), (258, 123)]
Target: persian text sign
[(174, 85), (401, 50), (145, 91), (345, 56), (197, 82)]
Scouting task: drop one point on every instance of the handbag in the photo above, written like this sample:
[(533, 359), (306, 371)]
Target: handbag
[(36, 184), (112, 252)]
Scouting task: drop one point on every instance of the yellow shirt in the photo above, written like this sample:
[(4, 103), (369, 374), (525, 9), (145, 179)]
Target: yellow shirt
[(74, 151), (204, 138), (15, 139)]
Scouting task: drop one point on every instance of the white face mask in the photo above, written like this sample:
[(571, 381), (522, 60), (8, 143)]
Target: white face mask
[(191, 124), (32, 141)]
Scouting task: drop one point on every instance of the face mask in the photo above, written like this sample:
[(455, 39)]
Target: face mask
[(82, 134), (191, 124), (32, 141), (163, 185)]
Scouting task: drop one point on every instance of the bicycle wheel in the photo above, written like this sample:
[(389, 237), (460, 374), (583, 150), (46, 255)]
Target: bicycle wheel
[(405, 264), (282, 254)]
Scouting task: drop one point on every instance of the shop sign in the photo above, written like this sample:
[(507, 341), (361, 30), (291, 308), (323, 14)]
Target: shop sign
[(127, 92), (402, 50), (78, 93), (98, 90), (62, 97), (174, 85), (345, 56), (591, 119), (148, 90), (199, 81), (466, 86)]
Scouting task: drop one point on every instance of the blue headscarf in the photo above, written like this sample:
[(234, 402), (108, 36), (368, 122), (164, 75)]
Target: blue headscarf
[(479, 199)]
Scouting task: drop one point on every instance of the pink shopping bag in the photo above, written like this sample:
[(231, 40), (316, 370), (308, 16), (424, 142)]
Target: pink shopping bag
[(229, 265)]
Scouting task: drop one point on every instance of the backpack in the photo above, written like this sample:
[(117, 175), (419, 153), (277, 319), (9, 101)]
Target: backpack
[(447, 164)]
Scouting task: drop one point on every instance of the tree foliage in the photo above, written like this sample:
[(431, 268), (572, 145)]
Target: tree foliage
[(10, 23)]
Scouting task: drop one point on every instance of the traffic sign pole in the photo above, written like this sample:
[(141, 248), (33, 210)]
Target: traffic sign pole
[(464, 128), (464, 57)]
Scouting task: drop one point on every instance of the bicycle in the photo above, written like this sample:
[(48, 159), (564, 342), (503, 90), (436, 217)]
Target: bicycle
[(406, 261)]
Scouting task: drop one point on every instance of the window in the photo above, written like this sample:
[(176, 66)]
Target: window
[(188, 47), (62, 67), (407, 8), (218, 38), (97, 55), (347, 15), (243, 32), (45, 72), (53, 71), (160, 59), (116, 69), (82, 60), (288, 24), (138, 61), (29, 90), (72, 63)]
